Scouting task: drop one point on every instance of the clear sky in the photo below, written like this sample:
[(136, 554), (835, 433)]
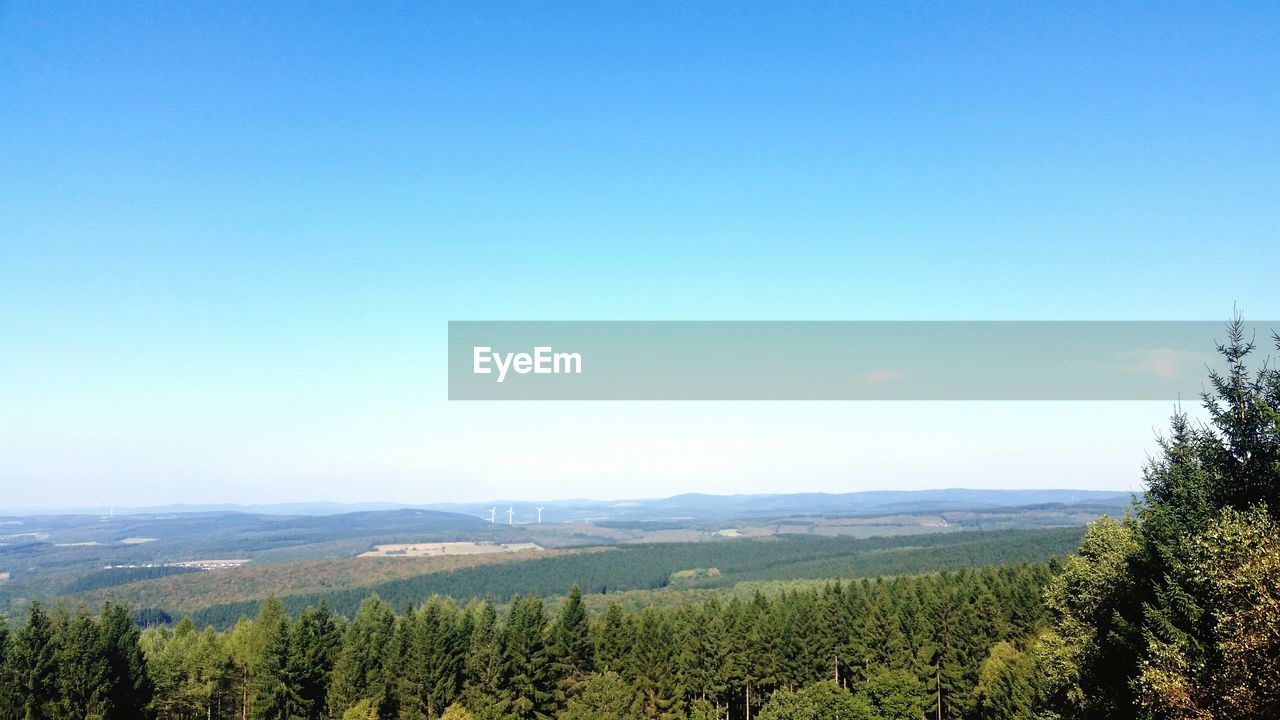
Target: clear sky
[(231, 234)]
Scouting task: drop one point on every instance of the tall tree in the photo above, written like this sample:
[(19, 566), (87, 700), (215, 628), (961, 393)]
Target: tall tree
[(570, 649), (527, 691), (275, 691), (613, 641), (1142, 629), (483, 670), (34, 663), (131, 687), (83, 677), (316, 640), (10, 700), (361, 671)]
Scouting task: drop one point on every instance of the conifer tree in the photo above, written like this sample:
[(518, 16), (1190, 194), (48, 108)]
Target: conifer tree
[(360, 671), (34, 664), (483, 669), (82, 677), (571, 651), (131, 687), (652, 671), (275, 695), (1142, 628), (613, 642), (527, 690), (10, 701), (316, 641)]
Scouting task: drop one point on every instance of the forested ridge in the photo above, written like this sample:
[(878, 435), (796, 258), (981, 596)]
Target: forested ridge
[(1170, 612), (649, 566), (886, 644)]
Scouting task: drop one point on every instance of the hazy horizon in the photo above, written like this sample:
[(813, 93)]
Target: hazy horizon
[(357, 506)]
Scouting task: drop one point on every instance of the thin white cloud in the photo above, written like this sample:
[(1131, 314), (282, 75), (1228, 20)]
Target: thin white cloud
[(1165, 363), (880, 376)]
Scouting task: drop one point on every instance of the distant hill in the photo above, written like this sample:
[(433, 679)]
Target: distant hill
[(688, 506), (697, 506)]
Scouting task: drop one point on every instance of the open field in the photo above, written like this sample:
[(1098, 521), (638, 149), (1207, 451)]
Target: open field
[(186, 593), (446, 548)]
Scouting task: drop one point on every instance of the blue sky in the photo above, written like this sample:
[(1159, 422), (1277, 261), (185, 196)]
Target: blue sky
[(231, 234)]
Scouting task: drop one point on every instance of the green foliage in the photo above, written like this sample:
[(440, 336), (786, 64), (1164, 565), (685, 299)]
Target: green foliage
[(361, 671), (1088, 657), (366, 709), (604, 696), (33, 663), (1009, 687), (316, 641), (456, 712), (570, 648), (649, 566), (1174, 614), (121, 576), (57, 667), (819, 701), (863, 649), (527, 689), (895, 695), (275, 689)]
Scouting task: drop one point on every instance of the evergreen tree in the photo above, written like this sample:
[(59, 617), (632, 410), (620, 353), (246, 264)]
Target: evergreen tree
[(131, 690), (483, 670), (82, 680), (527, 691), (614, 641), (439, 647), (361, 671), (1145, 626), (652, 673), (316, 641), (10, 700), (275, 695), (882, 637), (34, 664), (570, 650)]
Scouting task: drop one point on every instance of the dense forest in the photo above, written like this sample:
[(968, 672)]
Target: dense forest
[(1170, 612), (888, 644), (649, 566)]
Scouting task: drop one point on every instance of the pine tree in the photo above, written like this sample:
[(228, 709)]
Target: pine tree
[(884, 641), (410, 677), (571, 652), (316, 641), (34, 664), (83, 676), (613, 641), (275, 692), (10, 701), (131, 687), (483, 670), (651, 669), (361, 671), (527, 691), (440, 649)]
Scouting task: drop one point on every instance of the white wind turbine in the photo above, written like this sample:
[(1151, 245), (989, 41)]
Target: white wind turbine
[(539, 516), (511, 515), (493, 512)]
